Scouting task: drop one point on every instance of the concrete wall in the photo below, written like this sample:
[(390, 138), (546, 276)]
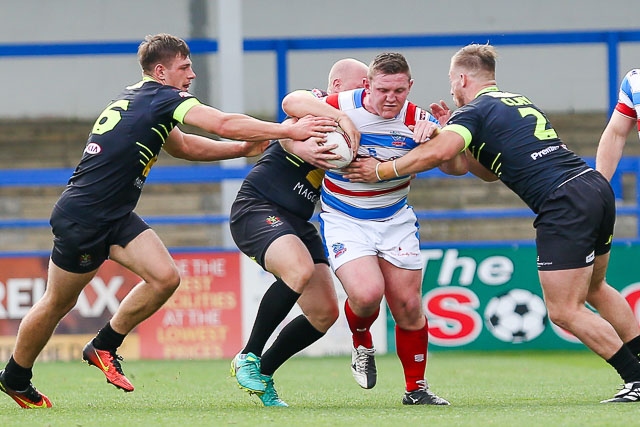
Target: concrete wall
[(558, 78)]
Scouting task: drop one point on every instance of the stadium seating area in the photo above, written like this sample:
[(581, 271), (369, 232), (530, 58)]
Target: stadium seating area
[(51, 143)]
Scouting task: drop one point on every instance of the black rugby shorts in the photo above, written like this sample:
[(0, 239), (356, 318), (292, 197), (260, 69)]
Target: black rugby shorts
[(79, 248), (575, 223), (256, 223)]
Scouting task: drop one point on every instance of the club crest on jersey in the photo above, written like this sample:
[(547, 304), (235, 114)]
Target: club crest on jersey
[(338, 249), (273, 221), (398, 140), (92, 148), (185, 94), (138, 183), (84, 260)]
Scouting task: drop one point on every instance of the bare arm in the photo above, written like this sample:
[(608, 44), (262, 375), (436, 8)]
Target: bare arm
[(247, 128), (478, 170), (311, 151), (301, 103), (439, 149), (458, 165), (612, 143), (424, 130), (199, 148)]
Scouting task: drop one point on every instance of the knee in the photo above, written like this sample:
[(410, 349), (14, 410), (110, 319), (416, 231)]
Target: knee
[(361, 302), (168, 281), (297, 277), (59, 308), (324, 317), (330, 315), (559, 316), (413, 308), (411, 316)]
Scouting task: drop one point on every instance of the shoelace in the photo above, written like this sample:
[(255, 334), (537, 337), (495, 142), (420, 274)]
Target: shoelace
[(115, 361), (422, 385), (363, 358), (270, 390), (31, 393)]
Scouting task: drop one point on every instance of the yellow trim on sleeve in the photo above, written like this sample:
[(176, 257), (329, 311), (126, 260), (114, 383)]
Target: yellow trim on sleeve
[(460, 130), (183, 108)]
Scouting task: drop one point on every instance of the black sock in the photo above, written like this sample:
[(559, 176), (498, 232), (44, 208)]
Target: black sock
[(108, 339), (626, 363), (296, 336), (634, 346), (17, 377), (274, 307)]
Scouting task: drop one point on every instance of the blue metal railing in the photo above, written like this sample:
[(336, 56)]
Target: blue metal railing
[(212, 173), (282, 46)]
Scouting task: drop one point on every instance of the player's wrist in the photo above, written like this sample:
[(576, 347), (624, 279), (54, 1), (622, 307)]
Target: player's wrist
[(386, 170), (378, 171), (395, 168)]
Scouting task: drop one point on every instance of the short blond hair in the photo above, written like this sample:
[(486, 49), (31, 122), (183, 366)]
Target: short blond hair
[(477, 59)]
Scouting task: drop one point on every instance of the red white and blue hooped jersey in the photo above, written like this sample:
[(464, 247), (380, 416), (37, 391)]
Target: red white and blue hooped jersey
[(629, 96), (383, 139)]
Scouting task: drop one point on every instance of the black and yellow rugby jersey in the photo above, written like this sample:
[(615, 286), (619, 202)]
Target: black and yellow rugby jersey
[(285, 179), (513, 138), (121, 149)]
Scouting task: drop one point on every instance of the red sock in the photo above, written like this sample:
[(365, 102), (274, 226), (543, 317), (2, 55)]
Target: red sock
[(360, 326), (411, 347)]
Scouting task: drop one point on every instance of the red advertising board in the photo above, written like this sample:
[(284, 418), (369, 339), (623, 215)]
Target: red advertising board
[(203, 318)]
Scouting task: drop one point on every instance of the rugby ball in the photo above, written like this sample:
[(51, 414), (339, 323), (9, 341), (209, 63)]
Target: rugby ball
[(339, 138)]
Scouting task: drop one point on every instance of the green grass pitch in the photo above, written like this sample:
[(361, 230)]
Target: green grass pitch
[(485, 389)]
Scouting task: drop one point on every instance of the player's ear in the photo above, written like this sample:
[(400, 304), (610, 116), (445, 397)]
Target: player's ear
[(159, 72), (366, 83), (463, 80), (336, 84)]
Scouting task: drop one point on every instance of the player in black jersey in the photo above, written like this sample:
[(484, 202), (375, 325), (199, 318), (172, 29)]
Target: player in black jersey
[(270, 223), (509, 138), (94, 220)]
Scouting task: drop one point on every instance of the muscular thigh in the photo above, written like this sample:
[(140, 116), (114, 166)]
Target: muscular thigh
[(403, 289), (362, 280), (146, 256)]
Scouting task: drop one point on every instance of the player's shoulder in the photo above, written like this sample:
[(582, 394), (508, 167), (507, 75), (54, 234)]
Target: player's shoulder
[(347, 100), (413, 113), (635, 72), (631, 80)]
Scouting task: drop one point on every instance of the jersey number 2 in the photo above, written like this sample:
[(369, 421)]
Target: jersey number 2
[(541, 132)]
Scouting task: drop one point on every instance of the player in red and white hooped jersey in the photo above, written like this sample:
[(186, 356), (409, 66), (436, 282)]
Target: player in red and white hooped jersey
[(629, 96), (369, 231), (624, 119), (382, 138)]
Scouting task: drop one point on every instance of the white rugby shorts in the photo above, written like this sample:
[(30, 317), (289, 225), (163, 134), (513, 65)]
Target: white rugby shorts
[(395, 239)]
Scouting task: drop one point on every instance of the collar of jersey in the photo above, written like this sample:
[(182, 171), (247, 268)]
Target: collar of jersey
[(488, 89)]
